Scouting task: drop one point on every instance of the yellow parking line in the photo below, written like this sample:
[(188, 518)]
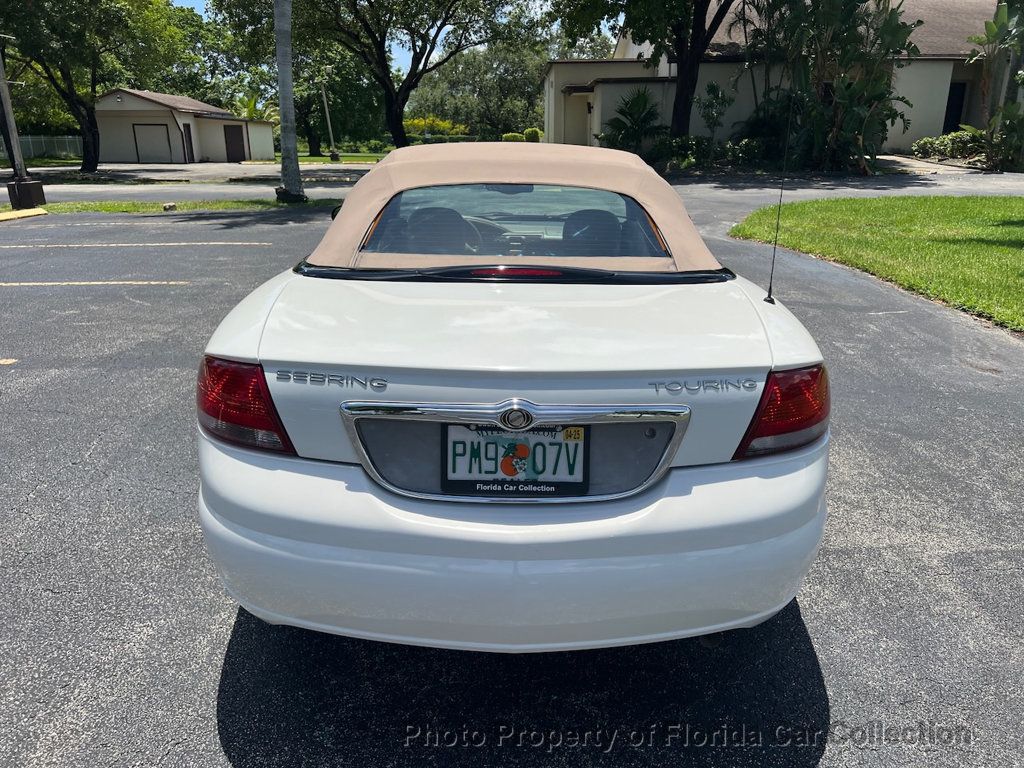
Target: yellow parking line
[(124, 245), (94, 282), (8, 360)]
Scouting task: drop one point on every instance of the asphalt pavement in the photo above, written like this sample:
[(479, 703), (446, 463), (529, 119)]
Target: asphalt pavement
[(120, 647)]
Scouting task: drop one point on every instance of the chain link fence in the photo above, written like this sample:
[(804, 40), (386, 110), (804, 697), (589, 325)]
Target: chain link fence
[(47, 146)]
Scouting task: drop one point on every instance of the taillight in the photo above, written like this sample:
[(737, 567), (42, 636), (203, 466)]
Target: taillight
[(793, 412), (234, 404)]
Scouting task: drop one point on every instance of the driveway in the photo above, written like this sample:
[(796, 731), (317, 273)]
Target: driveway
[(716, 203), (120, 647)]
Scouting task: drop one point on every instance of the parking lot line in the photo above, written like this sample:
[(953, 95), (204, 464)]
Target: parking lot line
[(8, 360), (35, 284)]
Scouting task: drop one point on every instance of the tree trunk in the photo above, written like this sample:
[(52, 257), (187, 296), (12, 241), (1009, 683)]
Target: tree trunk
[(1012, 88), (313, 139), (394, 115), (686, 88), (90, 138), (291, 182), (307, 128), (749, 59)]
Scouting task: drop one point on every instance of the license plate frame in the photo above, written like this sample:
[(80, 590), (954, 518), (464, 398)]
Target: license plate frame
[(503, 487)]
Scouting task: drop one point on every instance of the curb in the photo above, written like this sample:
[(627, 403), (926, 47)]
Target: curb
[(24, 213)]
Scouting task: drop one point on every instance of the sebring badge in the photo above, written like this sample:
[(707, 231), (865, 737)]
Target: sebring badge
[(376, 383)]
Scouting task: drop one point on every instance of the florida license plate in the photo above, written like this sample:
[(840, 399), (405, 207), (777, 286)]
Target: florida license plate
[(489, 461)]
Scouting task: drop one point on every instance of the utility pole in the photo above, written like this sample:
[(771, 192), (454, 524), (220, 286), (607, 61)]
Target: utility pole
[(327, 115), (24, 193)]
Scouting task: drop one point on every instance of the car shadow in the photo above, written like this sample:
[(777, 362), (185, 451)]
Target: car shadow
[(750, 697)]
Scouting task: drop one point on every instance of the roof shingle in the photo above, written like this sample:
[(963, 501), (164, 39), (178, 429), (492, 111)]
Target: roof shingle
[(180, 103)]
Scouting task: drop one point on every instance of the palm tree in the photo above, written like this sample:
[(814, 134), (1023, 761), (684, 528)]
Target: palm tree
[(250, 108), (636, 120), (290, 190)]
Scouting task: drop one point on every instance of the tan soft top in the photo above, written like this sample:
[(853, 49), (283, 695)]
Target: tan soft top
[(512, 163)]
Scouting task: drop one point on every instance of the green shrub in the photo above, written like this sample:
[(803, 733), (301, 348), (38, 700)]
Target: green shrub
[(743, 152), (926, 147), (963, 144), (513, 137), (375, 145), (415, 138), (433, 125), (532, 134), (959, 145)]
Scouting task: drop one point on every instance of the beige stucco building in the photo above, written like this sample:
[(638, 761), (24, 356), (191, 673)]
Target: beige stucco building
[(580, 96), (148, 127)]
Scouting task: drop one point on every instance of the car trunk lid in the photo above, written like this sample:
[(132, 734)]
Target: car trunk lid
[(330, 341)]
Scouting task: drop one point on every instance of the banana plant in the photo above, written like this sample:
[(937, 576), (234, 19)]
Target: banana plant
[(1003, 36)]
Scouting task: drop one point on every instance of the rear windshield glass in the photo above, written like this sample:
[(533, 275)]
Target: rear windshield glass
[(514, 220)]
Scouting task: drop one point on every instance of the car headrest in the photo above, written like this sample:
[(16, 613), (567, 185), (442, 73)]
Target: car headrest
[(437, 230), (592, 230)]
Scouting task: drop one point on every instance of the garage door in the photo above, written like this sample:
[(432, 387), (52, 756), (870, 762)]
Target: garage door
[(153, 143)]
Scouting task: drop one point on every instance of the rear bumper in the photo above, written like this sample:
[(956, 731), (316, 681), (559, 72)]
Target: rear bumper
[(321, 546)]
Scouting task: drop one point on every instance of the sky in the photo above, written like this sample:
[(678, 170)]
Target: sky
[(399, 56)]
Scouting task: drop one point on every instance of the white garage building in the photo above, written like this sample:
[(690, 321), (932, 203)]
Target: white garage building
[(148, 127)]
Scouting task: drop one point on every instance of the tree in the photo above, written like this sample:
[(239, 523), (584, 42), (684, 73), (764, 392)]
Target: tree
[(251, 107), (433, 32), (37, 107), (209, 64), (636, 122), (764, 26), (1016, 75), (499, 88), (682, 29), (83, 47), (290, 190), (1002, 37), (712, 107), (834, 95), (354, 99), (494, 89)]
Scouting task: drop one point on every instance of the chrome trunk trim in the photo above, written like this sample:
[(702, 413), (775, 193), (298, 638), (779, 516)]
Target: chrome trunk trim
[(542, 415)]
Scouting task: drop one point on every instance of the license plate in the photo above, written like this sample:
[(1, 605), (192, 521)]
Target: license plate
[(488, 461)]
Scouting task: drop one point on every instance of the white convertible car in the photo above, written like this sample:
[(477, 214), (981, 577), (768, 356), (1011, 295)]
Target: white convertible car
[(511, 402)]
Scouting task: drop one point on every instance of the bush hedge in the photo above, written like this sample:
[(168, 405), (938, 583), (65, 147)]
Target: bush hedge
[(532, 134), (433, 125), (513, 137), (959, 145), (415, 138)]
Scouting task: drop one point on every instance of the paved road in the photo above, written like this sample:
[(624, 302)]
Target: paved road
[(723, 200), (121, 649), (207, 172)]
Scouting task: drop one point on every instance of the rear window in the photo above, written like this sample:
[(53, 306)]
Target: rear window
[(514, 220)]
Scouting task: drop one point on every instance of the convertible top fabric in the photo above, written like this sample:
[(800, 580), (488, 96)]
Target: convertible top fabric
[(512, 163)]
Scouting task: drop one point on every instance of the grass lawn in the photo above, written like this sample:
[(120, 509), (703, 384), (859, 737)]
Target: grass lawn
[(965, 251), (352, 157), (129, 206), (46, 162)]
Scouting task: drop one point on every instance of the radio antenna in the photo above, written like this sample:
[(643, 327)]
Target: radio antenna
[(778, 209)]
